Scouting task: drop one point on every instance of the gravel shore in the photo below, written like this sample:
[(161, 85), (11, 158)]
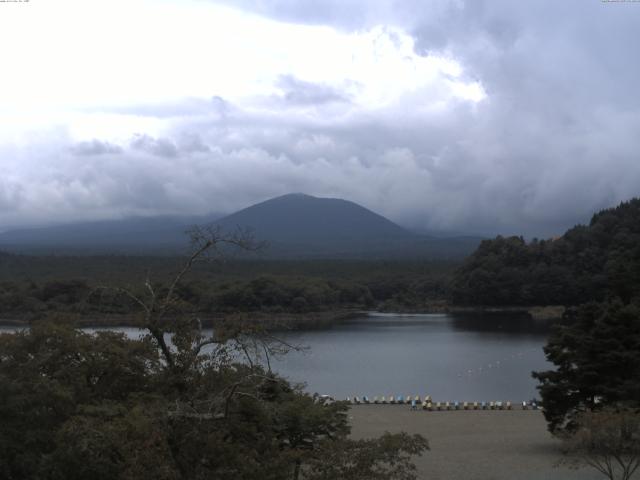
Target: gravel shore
[(476, 444)]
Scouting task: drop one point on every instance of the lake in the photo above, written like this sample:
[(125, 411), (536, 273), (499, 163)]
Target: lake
[(450, 357)]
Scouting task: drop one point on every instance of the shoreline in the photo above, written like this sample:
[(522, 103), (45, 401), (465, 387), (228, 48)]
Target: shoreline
[(301, 321), (536, 312), (273, 321)]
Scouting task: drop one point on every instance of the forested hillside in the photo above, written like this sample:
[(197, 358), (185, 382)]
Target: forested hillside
[(36, 286), (587, 263)]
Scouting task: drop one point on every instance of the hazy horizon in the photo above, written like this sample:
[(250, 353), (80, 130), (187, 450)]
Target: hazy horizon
[(214, 216)]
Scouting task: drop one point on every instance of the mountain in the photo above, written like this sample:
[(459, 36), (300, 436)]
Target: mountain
[(129, 235), (294, 226), (299, 225), (300, 218)]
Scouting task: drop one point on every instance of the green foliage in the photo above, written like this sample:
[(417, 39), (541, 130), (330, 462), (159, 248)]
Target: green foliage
[(587, 263), (50, 372), (597, 359), (77, 406)]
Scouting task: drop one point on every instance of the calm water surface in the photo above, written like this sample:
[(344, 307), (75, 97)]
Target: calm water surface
[(450, 357), (446, 356)]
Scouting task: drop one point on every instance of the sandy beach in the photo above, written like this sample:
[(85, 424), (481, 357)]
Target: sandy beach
[(473, 445)]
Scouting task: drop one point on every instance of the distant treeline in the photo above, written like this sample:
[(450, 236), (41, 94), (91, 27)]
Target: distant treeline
[(588, 263), (36, 286)]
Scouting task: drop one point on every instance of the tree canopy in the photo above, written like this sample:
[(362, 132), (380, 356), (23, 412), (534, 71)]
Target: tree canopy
[(597, 359), (587, 263)]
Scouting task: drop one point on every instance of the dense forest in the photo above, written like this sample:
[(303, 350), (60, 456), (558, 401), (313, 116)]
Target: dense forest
[(32, 287), (593, 262)]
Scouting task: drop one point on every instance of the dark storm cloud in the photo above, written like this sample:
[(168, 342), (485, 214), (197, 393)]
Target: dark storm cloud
[(556, 138), (94, 147), (559, 134), (161, 147)]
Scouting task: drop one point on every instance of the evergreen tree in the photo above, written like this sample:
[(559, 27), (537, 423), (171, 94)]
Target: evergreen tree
[(597, 359)]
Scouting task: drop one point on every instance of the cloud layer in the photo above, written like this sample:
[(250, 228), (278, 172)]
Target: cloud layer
[(469, 116)]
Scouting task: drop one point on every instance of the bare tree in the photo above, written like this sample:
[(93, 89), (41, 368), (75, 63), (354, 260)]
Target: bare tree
[(180, 338), (161, 308), (607, 440)]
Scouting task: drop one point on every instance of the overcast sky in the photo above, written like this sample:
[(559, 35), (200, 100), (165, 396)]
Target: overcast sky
[(495, 116)]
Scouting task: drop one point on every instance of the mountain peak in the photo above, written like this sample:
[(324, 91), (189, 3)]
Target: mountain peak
[(302, 218)]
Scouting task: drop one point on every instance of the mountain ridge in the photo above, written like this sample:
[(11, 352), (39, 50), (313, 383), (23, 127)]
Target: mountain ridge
[(294, 225)]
